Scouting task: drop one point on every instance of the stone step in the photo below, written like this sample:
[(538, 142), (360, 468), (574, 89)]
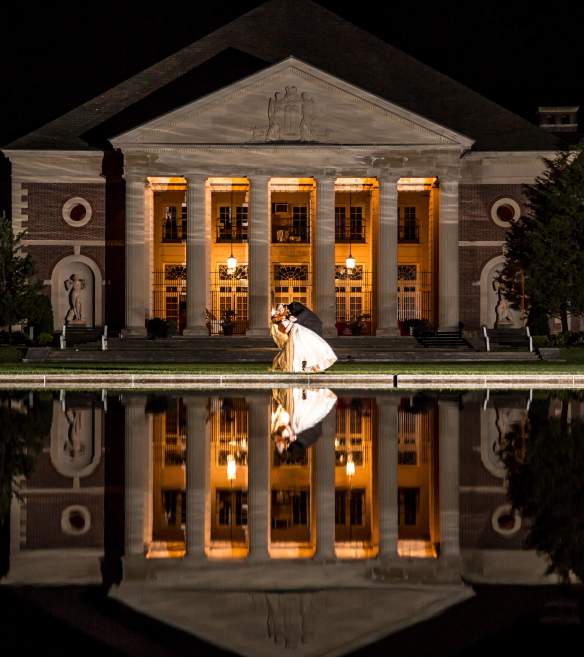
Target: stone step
[(220, 343), (266, 356)]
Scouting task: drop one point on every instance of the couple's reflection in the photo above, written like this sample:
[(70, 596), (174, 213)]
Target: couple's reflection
[(297, 416)]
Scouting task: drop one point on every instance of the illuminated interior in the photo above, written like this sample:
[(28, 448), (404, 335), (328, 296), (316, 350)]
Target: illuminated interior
[(293, 217), (292, 516)]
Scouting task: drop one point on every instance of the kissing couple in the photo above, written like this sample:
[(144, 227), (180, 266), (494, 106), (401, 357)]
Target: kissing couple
[(297, 331)]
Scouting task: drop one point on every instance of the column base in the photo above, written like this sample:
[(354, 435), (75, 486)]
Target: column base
[(195, 331), (136, 331), (329, 332), (258, 557), (387, 332), (195, 558), (258, 333), (324, 558)]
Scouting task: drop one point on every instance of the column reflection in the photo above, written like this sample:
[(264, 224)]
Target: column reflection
[(295, 473), (228, 468), (417, 475)]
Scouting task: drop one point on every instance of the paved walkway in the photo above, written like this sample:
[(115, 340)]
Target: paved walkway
[(126, 380)]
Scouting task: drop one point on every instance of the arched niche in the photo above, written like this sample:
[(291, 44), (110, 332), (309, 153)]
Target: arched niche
[(76, 440), (497, 421), (76, 292), (495, 309)]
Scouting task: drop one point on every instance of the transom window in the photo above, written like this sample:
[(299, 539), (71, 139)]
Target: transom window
[(352, 230), (409, 229), (231, 229), (290, 223)]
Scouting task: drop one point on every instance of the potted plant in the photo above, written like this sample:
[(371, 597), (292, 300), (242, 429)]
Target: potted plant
[(358, 325), (228, 322)]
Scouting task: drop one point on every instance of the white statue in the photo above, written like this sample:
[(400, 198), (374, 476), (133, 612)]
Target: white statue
[(74, 286), (503, 310)]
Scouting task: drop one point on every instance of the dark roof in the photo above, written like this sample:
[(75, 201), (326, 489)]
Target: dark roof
[(268, 34)]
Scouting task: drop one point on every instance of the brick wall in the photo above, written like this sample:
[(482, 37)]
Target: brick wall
[(45, 204), (45, 257), (43, 521), (476, 225)]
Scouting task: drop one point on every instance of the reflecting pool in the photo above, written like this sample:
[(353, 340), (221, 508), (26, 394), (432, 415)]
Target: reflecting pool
[(301, 521)]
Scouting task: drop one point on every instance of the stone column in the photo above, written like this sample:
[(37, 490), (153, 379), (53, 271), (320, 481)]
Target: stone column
[(135, 255), (138, 462), (198, 244), (259, 477), (387, 258), (448, 299), (259, 256), (149, 241), (387, 436), (324, 254), (448, 491), (324, 457), (198, 448)]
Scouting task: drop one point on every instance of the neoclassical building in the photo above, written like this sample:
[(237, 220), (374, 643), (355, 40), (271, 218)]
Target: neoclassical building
[(264, 163)]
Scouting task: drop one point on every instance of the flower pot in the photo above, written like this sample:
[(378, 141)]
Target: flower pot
[(227, 329)]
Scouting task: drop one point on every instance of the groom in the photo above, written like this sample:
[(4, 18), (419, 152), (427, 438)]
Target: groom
[(305, 317)]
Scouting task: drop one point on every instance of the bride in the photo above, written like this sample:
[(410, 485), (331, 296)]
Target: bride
[(301, 350)]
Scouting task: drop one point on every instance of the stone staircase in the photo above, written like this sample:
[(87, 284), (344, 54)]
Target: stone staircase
[(508, 338), (76, 335), (242, 349), (445, 339)]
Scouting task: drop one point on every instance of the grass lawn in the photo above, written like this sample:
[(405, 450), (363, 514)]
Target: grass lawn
[(574, 365)]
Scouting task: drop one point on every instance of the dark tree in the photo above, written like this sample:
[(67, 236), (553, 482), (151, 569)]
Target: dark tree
[(545, 249), (546, 485), (20, 294), (24, 427)]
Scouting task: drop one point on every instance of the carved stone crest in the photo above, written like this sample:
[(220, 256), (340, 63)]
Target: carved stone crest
[(291, 117)]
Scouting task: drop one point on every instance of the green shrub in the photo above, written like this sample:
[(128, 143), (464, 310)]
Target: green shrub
[(540, 341), (45, 339), (10, 354), (157, 328), (41, 316)]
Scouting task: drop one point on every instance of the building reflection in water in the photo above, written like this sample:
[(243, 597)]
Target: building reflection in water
[(302, 515), (298, 473)]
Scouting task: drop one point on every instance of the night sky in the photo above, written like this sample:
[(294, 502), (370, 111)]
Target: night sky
[(56, 55)]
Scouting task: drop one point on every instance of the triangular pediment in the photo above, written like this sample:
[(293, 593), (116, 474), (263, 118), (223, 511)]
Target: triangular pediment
[(292, 102)]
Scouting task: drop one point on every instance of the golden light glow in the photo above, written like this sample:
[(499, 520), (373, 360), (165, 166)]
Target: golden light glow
[(415, 184), (416, 549), (231, 264), (231, 467), (350, 263), (350, 466)]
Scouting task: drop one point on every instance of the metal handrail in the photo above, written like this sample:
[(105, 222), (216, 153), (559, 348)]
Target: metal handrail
[(486, 336), (528, 332)]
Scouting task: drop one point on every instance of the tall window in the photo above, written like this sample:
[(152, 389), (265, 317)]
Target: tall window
[(354, 230), (408, 225), (290, 224)]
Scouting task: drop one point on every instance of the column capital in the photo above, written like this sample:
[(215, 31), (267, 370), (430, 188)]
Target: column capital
[(389, 178), (134, 177), (326, 178), (449, 181), (258, 177), (195, 177)]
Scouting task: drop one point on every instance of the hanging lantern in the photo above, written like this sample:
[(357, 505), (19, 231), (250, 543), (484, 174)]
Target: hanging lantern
[(231, 467), (350, 466), (231, 264), (350, 263)]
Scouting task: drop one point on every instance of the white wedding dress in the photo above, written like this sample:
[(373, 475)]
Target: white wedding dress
[(301, 350)]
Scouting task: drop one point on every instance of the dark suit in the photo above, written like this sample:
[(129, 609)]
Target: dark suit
[(306, 317)]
